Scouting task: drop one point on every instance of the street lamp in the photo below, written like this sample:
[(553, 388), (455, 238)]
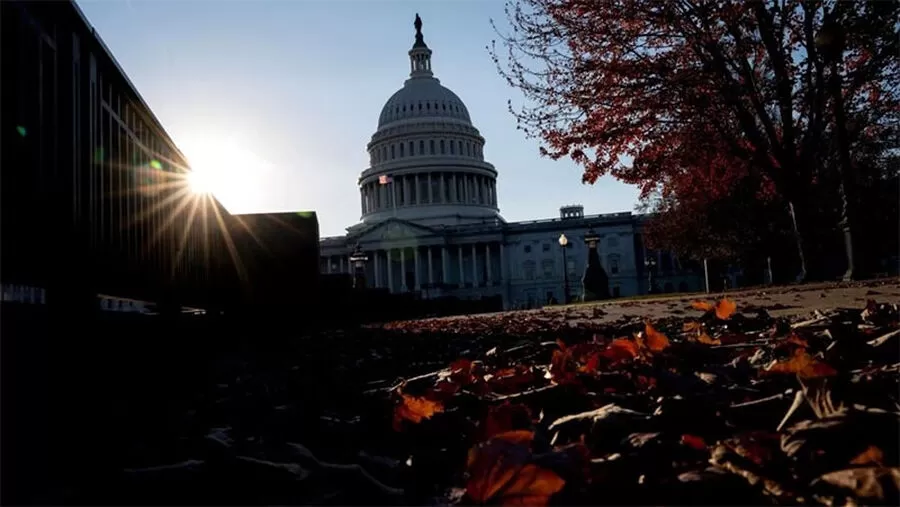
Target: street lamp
[(564, 243), (650, 264), (830, 42), (358, 258)]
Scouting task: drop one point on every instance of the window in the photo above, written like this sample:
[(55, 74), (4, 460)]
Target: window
[(401, 150), (527, 248), (412, 148), (528, 270), (469, 149), (613, 241), (393, 152), (431, 143), (442, 147), (421, 147), (613, 263), (548, 266), (452, 148), (616, 291), (546, 247)]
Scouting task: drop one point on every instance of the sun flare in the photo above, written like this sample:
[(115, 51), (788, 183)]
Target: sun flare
[(223, 169)]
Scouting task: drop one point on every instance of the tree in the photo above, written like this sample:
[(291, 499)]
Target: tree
[(639, 88)]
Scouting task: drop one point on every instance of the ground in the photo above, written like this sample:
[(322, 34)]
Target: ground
[(772, 396)]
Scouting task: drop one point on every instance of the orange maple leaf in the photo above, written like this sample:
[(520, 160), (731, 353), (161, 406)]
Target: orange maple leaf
[(501, 471), (415, 409), (725, 309), (655, 340)]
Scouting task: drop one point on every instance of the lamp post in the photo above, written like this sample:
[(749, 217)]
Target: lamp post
[(595, 283), (650, 264), (564, 243), (830, 41), (358, 258)]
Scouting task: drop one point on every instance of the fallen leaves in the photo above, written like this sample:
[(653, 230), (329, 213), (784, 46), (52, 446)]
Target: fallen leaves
[(414, 409), (723, 310), (502, 471)]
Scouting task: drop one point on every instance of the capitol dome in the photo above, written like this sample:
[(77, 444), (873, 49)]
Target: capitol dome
[(426, 158)]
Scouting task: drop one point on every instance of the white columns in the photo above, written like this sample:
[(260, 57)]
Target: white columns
[(487, 263), (430, 194), (443, 190), (390, 277), (406, 190), (377, 258), (328, 264), (418, 189), (462, 273), (474, 265), (403, 287), (445, 265), (430, 267), (416, 267), (342, 264)]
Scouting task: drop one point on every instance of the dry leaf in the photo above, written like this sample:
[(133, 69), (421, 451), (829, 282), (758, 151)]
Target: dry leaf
[(871, 456), (803, 365), (655, 340), (707, 340), (415, 409), (691, 326), (725, 309), (703, 306), (501, 471)]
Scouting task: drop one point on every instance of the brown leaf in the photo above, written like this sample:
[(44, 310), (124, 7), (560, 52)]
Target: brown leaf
[(505, 418), (870, 483), (725, 309), (501, 471), (871, 456), (703, 306), (707, 340), (803, 365), (691, 326), (655, 340), (414, 409)]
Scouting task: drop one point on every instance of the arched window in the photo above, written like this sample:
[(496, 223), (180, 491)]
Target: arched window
[(459, 144), (421, 147), (431, 143), (442, 147), (452, 148), (612, 262), (412, 148), (401, 150), (393, 152)]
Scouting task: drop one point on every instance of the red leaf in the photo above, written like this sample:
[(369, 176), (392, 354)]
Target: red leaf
[(694, 441), (414, 409)]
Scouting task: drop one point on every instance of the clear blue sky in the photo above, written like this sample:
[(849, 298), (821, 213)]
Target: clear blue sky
[(300, 83)]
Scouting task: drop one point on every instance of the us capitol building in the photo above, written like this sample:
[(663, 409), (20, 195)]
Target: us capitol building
[(431, 220)]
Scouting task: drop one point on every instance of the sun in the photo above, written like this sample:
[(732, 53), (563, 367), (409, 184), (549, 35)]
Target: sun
[(223, 169)]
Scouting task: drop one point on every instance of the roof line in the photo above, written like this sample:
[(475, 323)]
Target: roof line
[(124, 75)]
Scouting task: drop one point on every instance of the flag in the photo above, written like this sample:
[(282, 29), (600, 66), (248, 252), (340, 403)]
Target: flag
[(384, 179)]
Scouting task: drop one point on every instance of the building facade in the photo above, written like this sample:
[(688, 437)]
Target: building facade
[(431, 221)]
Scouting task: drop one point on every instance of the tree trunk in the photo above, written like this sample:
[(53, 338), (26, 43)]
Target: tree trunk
[(797, 214)]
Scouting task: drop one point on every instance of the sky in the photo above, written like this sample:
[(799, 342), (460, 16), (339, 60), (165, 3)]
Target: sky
[(291, 90)]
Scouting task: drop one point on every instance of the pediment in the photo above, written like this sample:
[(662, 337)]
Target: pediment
[(394, 230)]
